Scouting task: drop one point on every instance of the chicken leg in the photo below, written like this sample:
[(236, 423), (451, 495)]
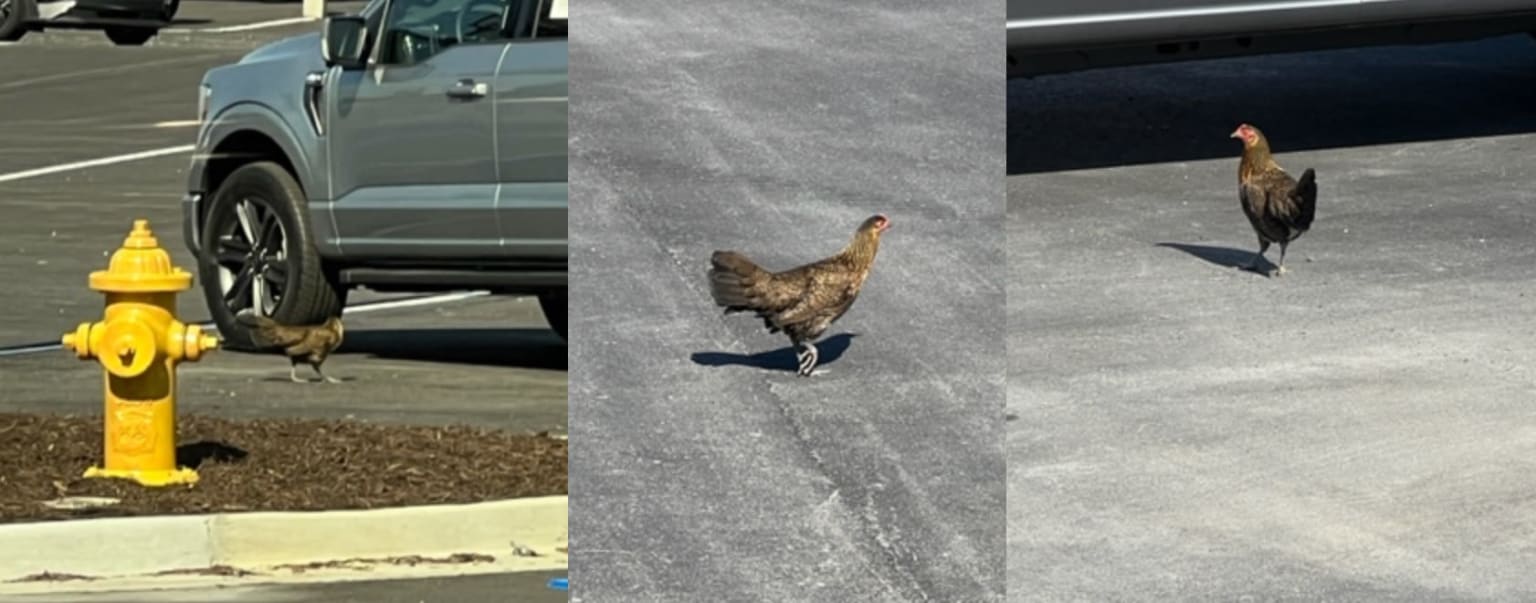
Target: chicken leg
[(293, 371), (1258, 258), (322, 374), (1280, 269), (807, 357)]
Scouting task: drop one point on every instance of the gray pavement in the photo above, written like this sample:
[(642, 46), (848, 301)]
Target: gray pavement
[(201, 24), (522, 587), (705, 470), (1359, 429), (488, 361)]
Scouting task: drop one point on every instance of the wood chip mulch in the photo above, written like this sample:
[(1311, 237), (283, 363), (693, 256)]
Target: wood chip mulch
[(277, 465)]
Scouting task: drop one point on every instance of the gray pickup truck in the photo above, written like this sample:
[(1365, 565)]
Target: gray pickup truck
[(419, 145), (1056, 36)]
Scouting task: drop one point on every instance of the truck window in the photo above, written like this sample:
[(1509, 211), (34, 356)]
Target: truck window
[(416, 30), (532, 19)]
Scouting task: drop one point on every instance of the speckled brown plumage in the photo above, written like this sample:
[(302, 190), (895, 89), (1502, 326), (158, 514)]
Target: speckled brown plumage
[(301, 343), (1279, 208), (801, 302)]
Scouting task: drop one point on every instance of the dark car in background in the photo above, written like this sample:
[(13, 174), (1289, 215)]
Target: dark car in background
[(1056, 36), (126, 22), (417, 146)]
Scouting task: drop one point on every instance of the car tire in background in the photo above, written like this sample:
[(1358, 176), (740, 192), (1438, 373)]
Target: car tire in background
[(554, 306), (13, 19), (168, 12), (258, 253), (137, 36), (131, 36)]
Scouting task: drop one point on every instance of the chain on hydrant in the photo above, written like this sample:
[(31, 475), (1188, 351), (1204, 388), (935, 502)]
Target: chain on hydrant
[(139, 342)]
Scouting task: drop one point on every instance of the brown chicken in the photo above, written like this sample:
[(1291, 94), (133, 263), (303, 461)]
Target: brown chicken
[(1279, 207), (304, 343), (800, 302)]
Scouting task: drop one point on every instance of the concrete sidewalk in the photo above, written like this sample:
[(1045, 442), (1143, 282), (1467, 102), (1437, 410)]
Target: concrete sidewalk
[(510, 535)]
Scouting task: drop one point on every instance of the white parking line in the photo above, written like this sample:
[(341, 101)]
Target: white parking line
[(80, 165), (113, 69), (183, 123), (411, 302), (244, 27)]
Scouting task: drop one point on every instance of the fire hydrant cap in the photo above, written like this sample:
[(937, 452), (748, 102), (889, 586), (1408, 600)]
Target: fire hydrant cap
[(141, 266)]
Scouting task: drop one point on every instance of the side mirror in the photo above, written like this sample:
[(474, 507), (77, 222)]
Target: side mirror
[(343, 41)]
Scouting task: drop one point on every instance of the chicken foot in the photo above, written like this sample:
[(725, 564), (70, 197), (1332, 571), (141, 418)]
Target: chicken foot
[(293, 373), (322, 374), (1280, 269), (807, 356)]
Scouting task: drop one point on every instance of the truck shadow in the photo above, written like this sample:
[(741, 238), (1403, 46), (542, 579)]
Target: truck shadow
[(1303, 101), (195, 454), (519, 348), (782, 359)]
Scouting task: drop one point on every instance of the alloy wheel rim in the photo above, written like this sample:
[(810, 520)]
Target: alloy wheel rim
[(252, 258)]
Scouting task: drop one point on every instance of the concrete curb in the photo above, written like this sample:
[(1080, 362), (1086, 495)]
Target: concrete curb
[(136, 546)]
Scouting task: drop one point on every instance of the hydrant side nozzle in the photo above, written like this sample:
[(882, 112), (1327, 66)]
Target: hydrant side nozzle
[(79, 341), (193, 343)]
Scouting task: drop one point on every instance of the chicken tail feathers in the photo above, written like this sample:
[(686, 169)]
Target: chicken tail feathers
[(1305, 196), (733, 281)]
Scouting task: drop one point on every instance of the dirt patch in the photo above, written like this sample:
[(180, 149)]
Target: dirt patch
[(212, 570), (365, 564), (52, 577), (277, 465)]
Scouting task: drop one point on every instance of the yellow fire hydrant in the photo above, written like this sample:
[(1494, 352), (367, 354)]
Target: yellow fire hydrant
[(139, 343)]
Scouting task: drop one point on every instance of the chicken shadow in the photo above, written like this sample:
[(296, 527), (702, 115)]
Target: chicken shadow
[(195, 454), (518, 348), (783, 359), (1226, 256)]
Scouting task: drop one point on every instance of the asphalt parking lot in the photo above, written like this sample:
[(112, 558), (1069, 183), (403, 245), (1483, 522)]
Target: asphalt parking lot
[(1361, 428), (707, 470), (482, 360), (70, 96)]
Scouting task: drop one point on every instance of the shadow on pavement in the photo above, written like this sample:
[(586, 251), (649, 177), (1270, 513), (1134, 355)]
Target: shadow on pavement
[(521, 348), (1226, 256), (193, 455), (1304, 101), (783, 359)]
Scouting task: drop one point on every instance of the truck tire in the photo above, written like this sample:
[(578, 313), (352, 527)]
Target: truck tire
[(131, 36), (13, 19), (554, 306), (258, 253)]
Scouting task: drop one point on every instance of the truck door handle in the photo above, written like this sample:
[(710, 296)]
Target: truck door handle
[(468, 89)]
